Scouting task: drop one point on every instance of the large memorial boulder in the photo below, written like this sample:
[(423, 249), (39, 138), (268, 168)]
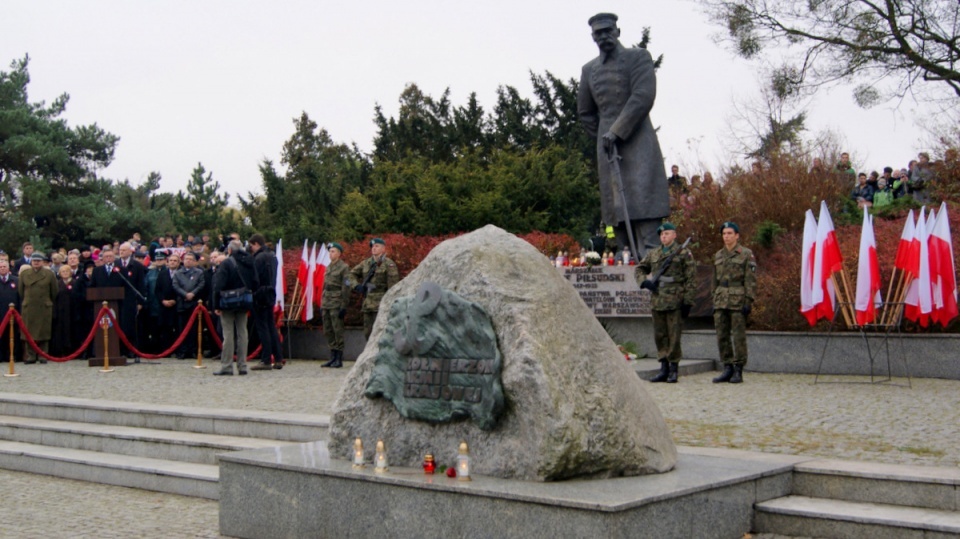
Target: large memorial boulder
[(486, 342)]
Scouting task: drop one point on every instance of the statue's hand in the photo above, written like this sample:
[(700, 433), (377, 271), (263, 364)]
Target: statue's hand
[(609, 140)]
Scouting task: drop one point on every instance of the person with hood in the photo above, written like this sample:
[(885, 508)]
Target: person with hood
[(235, 272)]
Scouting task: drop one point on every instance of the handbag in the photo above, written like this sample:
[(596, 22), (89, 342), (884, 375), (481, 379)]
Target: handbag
[(238, 299)]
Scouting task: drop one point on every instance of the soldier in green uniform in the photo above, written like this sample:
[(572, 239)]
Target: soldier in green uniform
[(734, 289), (373, 277), (336, 294), (672, 296)]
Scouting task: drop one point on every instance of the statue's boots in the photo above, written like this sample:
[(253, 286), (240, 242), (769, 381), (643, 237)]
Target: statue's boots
[(737, 377), (664, 372), (673, 373), (726, 375)]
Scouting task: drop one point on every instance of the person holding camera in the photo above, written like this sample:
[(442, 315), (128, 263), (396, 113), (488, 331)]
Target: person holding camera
[(233, 286), (670, 274)]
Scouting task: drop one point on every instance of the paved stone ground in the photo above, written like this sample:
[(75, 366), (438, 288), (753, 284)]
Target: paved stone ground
[(770, 412)]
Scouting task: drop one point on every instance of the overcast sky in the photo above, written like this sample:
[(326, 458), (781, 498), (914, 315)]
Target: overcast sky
[(219, 82)]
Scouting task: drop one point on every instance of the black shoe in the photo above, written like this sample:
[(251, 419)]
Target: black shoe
[(242, 373), (261, 367), (223, 373), (737, 377), (337, 359), (674, 372), (725, 376), (664, 371), (278, 366)]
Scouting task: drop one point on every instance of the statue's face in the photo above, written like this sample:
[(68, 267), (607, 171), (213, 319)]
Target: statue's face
[(605, 34)]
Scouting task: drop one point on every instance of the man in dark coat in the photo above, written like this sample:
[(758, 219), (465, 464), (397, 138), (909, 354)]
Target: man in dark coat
[(167, 295), (617, 91), (235, 271), (188, 283), (130, 275), (9, 294), (25, 259), (265, 297)]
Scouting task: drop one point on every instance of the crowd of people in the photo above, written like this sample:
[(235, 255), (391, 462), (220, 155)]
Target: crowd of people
[(162, 282)]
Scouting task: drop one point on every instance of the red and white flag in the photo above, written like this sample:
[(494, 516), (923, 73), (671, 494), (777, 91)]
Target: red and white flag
[(323, 260), (807, 307), (943, 279), (281, 286), (868, 274), (904, 260), (308, 287), (827, 261), (303, 268), (919, 301)]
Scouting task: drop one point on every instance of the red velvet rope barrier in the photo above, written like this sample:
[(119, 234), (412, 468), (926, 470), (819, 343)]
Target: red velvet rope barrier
[(75, 355), (120, 334)]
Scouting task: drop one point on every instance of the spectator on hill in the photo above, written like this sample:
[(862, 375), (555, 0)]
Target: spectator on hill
[(883, 196), (862, 193)]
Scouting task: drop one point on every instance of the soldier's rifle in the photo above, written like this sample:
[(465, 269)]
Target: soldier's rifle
[(364, 287), (653, 283)]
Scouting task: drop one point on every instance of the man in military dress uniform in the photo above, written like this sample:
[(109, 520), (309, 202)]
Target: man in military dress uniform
[(336, 294), (672, 295), (373, 277), (734, 289), (38, 290)]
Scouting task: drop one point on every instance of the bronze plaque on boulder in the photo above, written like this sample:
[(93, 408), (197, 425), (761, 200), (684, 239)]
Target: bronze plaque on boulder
[(439, 360)]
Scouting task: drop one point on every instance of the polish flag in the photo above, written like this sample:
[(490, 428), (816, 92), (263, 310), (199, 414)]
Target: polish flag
[(919, 302), (281, 286), (827, 261), (307, 313), (807, 281), (942, 272), (304, 267), (323, 260), (868, 274), (904, 261)]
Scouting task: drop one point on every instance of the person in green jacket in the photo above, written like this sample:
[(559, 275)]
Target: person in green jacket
[(336, 295)]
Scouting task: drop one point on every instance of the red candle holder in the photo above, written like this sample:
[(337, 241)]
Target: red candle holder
[(429, 465)]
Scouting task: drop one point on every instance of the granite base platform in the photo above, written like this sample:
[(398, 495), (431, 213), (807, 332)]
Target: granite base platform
[(299, 491)]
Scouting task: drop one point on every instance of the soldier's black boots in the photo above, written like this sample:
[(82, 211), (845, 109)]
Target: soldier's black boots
[(673, 373), (337, 359), (726, 375), (333, 359), (737, 377), (664, 371)]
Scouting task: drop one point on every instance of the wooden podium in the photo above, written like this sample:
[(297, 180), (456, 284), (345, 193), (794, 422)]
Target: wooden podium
[(112, 295)]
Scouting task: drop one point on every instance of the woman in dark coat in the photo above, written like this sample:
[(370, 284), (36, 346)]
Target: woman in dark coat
[(66, 310)]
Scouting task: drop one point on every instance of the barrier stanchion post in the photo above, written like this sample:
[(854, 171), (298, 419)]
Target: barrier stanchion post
[(11, 374), (105, 324), (199, 364)]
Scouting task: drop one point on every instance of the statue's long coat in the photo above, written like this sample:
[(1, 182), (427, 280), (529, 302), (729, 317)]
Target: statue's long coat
[(617, 95)]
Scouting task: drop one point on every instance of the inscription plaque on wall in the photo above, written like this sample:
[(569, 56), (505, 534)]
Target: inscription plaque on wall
[(439, 360), (610, 291)]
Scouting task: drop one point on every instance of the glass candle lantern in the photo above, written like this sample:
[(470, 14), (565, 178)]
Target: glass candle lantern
[(429, 465), (463, 463), (358, 453), (380, 458)]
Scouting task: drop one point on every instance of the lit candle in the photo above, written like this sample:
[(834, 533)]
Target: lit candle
[(463, 463), (358, 453), (429, 466), (380, 459)]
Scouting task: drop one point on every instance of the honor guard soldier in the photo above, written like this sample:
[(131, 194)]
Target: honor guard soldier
[(734, 289), (336, 294), (374, 276), (670, 274)]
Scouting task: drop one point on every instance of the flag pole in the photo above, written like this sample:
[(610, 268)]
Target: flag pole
[(846, 286), (893, 274), (843, 301)]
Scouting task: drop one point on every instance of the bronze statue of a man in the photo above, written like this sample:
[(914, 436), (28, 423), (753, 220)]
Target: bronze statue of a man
[(617, 91)]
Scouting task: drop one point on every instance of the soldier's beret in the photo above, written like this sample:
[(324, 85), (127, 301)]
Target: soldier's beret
[(335, 245), (603, 17), (377, 240), (666, 226), (730, 224)]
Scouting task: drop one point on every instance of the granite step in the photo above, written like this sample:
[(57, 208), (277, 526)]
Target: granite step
[(290, 427), (184, 478), (914, 486), (194, 447), (839, 519)]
